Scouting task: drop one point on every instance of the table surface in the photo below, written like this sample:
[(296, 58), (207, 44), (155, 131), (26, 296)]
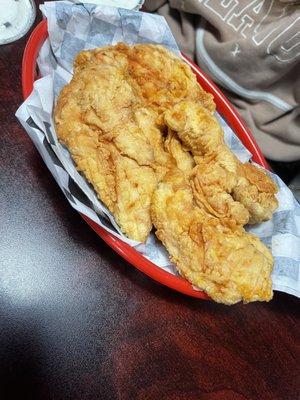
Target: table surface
[(78, 322)]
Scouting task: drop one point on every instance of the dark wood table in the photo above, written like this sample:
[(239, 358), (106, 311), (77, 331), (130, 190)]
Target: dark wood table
[(78, 322)]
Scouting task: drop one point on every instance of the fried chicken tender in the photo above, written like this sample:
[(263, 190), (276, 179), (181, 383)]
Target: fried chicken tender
[(94, 135), (228, 265), (234, 192), (141, 130), (110, 118)]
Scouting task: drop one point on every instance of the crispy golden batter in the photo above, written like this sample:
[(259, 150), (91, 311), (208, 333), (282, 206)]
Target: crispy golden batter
[(228, 265), (256, 191), (234, 192), (180, 156), (109, 117), (142, 131), (156, 75)]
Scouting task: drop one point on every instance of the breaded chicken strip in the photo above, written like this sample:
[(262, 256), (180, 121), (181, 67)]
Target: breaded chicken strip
[(228, 265), (157, 76), (234, 192), (141, 130), (110, 118)]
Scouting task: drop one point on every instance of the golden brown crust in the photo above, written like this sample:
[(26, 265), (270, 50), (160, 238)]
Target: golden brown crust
[(109, 116), (142, 131), (234, 192), (229, 265)]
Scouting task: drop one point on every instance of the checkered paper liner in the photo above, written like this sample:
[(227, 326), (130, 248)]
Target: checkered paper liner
[(74, 27)]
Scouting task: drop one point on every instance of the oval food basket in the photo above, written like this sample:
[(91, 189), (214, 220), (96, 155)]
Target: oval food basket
[(30, 74)]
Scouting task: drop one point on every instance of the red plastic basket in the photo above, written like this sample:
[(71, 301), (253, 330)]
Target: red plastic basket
[(224, 107)]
